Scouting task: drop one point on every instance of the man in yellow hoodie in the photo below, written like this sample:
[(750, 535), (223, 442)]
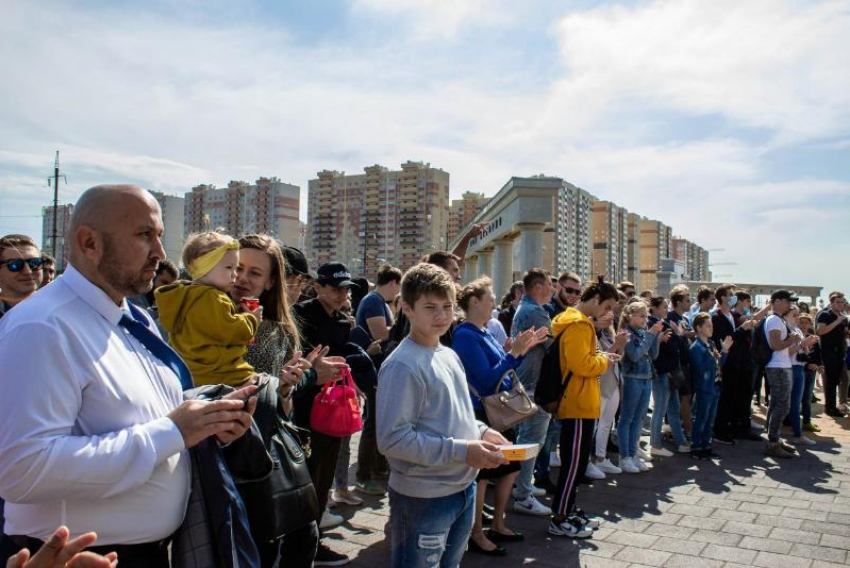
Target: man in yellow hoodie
[(581, 366)]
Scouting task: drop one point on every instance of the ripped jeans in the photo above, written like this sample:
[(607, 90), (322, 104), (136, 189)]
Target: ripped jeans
[(430, 532)]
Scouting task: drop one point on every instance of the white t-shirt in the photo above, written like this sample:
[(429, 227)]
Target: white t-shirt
[(780, 359)]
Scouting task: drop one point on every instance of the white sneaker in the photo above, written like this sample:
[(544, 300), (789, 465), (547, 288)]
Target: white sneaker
[(535, 492), (802, 441), (571, 528), (628, 465), (594, 472), (532, 506), (684, 448), (756, 426), (606, 466), (660, 452), (641, 465), (644, 455), (329, 520), (554, 459)]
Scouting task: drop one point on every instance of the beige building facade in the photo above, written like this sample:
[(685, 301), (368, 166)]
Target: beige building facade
[(267, 206), (379, 216), (463, 210)]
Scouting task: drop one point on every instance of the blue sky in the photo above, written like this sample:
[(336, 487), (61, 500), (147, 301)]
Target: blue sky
[(728, 120)]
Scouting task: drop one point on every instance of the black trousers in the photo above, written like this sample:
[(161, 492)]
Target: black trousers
[(834, 369), (322, 464), (367, 451), (132, 556), (576, 439), (297, 549), (733, 407)]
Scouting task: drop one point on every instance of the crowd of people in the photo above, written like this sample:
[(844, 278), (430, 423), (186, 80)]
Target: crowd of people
[(131, 422)]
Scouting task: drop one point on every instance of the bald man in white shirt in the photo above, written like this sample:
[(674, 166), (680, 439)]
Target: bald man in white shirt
[(93, 426)]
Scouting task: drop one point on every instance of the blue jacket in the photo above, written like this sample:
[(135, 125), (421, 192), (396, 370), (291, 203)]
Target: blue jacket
[(704, 366), (640, 351), (530, 314), (484, 361)]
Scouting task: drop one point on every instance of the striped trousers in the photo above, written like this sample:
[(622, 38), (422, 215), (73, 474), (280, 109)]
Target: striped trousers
[(576, 445)]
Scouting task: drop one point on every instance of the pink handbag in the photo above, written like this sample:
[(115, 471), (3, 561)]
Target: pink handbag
[(336, 410)]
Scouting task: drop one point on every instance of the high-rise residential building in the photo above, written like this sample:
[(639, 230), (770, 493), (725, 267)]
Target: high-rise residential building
[(574, 235), (463, 210), (268, 206), (379, 216), (610, 241), (655, 245), (63, 222), (173, 210), (694, 258), (633, 249)]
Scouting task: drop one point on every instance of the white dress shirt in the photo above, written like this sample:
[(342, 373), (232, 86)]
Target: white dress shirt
[(85, 439)]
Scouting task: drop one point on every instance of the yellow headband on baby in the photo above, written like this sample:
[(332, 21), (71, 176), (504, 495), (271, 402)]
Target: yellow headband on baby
[(207, 261)]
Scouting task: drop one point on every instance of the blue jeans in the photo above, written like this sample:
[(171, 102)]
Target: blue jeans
[(808, 391), (705, 410), (797, 389), (633, 407), (553, 435), (430, 532), (530, 431), (674, 418), (660, 402)]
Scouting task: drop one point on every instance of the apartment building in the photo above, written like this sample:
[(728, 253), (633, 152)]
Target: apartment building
[(267, 206), (610, 241), (63, 221), (379, 216), (693, 257), (655, 245), (173, 222), (463, 210)]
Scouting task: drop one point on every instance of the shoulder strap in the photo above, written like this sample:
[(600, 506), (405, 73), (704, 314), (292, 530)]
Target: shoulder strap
[(265, 415)]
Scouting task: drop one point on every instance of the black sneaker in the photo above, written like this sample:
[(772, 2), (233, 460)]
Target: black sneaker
[(699, 454), (327, 557), (835, 413), (711, 455), (585, 520), (726, 440)]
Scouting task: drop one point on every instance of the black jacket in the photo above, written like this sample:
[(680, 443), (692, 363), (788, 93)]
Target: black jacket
[(739, 357), (668, 359)]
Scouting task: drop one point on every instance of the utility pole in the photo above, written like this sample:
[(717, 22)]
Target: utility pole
[(54, 237)]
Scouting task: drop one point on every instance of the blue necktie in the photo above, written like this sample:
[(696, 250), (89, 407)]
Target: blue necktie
[(138, 328)]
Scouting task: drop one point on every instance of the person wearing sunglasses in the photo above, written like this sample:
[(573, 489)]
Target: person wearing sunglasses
[(567, 293), (20, 270)]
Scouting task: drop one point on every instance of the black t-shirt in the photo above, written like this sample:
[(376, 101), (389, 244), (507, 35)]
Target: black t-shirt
[(835, 341)]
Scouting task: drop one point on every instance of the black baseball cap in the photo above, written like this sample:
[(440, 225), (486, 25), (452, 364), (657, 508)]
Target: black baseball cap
[(334, 274), (783, 295), (296, 262)]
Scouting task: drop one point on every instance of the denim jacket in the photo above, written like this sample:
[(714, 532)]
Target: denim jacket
[(641, 349), (704, 366)]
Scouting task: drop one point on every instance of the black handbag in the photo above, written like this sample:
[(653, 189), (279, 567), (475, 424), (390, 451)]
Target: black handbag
[(286, 500), (678, 379)]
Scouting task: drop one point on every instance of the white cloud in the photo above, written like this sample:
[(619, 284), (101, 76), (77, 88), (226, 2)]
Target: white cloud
[(773, 64), (172, 103)]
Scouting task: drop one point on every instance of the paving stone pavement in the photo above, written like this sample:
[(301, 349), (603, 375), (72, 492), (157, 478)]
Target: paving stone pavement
[(744, 510)]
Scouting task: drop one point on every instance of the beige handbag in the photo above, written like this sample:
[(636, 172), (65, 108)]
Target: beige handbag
[(506, 409)]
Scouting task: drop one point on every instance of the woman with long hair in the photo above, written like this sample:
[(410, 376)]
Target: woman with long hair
[(486, 364), (260, 274)]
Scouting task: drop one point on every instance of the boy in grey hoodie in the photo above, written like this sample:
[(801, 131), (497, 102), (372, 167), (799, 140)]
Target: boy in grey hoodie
[(428, 431)]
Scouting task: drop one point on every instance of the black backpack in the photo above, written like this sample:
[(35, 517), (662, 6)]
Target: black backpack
[(551, 384), (761, 351), (286, 500)]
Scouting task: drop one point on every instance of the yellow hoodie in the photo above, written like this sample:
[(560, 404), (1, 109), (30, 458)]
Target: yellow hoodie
[(205, 327), (579, 357)]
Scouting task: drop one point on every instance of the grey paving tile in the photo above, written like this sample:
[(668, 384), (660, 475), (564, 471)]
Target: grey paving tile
[(819, 553), (765, 544), (746, 529), (643, 556), (729, 553), (773, 560)]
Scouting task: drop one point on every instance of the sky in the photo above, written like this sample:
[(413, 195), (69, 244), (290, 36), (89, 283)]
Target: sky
[(728, 120)]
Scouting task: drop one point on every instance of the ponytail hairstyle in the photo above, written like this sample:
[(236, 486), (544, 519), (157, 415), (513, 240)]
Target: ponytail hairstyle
[(631, 309), (475, 289), (600, 290)]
